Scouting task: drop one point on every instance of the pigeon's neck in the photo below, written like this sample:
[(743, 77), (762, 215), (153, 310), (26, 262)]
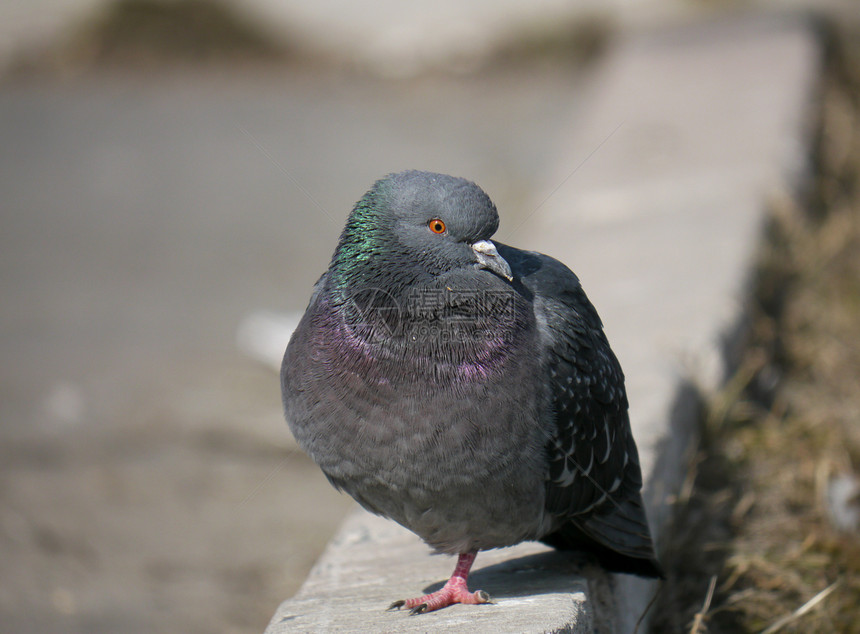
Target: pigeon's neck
[(368, 267), (437, 333), (374, 284), (454, 310), (366, 249)]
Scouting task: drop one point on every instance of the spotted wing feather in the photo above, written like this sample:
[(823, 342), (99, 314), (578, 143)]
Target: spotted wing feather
[(594, 479)]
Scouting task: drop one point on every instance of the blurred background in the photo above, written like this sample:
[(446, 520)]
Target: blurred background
[(173, 179)]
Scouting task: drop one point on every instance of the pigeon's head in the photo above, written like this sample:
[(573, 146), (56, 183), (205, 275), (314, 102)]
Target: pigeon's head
[(417, 224)]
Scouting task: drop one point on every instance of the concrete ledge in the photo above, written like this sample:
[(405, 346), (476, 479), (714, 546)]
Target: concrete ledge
[(373, 562), (696, 129)]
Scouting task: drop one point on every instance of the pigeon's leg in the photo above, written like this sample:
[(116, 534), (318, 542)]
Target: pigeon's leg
[(454, 591)]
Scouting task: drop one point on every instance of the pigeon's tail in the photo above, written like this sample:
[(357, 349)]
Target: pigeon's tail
[(620, 539)]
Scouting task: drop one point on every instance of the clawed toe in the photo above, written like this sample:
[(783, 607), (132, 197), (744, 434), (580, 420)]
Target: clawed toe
[(421, 608), (418, 609), (483, 597)]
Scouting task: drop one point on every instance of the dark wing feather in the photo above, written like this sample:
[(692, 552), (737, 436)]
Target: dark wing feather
[(594, 481)]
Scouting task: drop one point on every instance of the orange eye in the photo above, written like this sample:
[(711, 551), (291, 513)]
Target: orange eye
[(436, 226)]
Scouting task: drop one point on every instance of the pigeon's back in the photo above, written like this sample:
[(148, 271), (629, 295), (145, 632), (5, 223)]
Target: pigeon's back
[(593, 487)]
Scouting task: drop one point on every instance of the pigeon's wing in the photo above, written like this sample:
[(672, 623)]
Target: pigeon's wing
[(594, 480)]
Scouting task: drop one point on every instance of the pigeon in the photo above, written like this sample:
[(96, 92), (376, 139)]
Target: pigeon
[(464, 388)]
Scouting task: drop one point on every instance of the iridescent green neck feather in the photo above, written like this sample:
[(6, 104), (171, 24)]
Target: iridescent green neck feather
[(361, 242)]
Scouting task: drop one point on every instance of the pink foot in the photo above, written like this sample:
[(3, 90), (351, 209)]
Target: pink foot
[(454, 591)]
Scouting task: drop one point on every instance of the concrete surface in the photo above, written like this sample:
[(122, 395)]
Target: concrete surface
[(656, 198), (371, 558)]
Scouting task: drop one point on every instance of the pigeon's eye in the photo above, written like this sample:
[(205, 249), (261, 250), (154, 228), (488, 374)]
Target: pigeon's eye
[(436, 226)]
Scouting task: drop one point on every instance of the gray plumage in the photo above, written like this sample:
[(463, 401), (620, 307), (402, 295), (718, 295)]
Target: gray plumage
[(466, 393)]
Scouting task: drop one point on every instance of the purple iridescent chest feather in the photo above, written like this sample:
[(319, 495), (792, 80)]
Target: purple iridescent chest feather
[(431, 390)]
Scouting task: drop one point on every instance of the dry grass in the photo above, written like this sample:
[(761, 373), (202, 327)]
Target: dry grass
[(788, 421)]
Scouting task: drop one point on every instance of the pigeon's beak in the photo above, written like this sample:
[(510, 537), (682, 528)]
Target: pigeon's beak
[(488, 258)]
